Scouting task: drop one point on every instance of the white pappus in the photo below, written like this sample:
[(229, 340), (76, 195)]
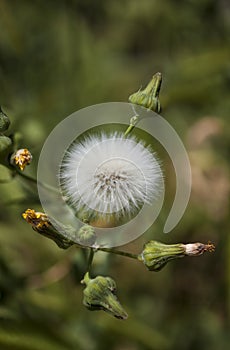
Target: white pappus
[(110, 175)]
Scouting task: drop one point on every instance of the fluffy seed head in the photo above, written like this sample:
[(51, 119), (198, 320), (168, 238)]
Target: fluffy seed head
[(110, 175)]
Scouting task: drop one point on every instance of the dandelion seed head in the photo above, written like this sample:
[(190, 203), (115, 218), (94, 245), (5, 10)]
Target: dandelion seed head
[(109, 175)]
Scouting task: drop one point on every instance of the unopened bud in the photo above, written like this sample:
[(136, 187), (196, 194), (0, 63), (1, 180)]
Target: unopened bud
[(99, 294), (149, 97), (21, 158), (86, 236), (5, 144), (5, 149), (4, 121)]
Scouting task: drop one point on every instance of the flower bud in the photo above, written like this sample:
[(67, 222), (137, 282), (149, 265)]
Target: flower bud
[(156, 254), (42, 224), (5, 144), (5, 149), (21, 158), (86, 236), (4, 121), (149, 97), (99, 294)]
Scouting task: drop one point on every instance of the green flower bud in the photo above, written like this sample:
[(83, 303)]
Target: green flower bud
[(5, 149), (99, 294), (86, 236), (149, 97), (4, 121), (5, 144), (156, 254)]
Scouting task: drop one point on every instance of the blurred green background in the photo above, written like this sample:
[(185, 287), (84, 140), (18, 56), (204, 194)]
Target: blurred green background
[(59, 56)]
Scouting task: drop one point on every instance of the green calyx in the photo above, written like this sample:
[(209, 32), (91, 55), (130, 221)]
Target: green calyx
[(99, 294), (149, 97), (156, 254)]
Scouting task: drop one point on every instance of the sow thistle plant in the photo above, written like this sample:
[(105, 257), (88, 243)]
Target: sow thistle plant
[(106, 178)]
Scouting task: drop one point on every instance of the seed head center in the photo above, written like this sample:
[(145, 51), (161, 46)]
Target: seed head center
[(109, 181)]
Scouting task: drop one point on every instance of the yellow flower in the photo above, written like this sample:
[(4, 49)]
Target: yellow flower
[(21, 158), (42, 224), (36, 219)]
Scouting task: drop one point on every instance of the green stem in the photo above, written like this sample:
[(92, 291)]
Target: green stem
[(119, 252), (133, 121), (27, 177), (129, 129), (90, 259), (35, 181)]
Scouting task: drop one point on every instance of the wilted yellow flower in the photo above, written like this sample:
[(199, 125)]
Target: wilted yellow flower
[(36, 219), (42, 224), (21, 158)]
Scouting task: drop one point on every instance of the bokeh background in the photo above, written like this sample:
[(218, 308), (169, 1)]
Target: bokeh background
[(59, 56)]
